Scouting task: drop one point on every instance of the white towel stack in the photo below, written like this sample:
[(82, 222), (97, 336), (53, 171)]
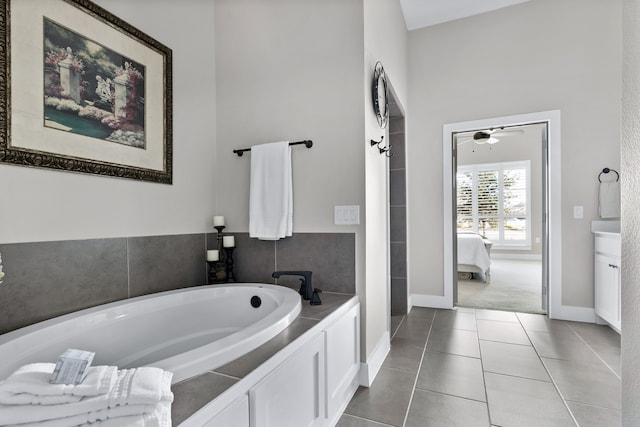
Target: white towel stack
[(271, 192), (139, 397)]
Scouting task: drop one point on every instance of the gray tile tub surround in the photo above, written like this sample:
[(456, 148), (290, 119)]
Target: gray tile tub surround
[(48, 279), (253, 260), (330, 256), (163, 263)]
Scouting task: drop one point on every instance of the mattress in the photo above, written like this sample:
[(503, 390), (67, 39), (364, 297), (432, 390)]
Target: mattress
[(472, 252)]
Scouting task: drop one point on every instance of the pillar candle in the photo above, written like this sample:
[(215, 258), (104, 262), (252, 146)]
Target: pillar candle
[(218, 221), (212, 255), (228, 241)]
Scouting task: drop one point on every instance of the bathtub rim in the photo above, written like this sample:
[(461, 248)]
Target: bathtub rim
[(238, 340)]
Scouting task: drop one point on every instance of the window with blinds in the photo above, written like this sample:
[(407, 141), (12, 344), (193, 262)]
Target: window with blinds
[(494, 200)]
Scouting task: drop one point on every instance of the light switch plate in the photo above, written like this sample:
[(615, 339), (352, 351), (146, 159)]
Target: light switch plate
[(346, 215), (578, 212)]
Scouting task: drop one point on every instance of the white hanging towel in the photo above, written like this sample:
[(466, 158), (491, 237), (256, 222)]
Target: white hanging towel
[(609, 198), (271, 192)]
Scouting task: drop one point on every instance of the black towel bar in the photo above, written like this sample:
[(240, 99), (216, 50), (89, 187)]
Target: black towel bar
[(308, 143), (607, 170)]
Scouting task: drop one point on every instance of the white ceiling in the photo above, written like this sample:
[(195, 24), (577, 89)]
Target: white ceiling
[(423, 13)]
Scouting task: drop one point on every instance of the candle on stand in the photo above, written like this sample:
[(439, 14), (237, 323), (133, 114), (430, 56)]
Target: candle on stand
[(228, 241), (213, 255), (218, 221)]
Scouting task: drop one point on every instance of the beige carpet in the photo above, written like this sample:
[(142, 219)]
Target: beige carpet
[(514, 285)]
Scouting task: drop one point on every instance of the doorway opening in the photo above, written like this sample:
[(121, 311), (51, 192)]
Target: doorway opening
[(397, 205), (499, 218), (551, 238)]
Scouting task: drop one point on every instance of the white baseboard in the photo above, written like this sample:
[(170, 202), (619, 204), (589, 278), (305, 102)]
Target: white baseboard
[(574, 313), (369, 370), (431, 301), (523, 257), (563, 312)]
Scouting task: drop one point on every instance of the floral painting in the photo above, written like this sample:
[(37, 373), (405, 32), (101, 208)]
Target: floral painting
[(91, 90)]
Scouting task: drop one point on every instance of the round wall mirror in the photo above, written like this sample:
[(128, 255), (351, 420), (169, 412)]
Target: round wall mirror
[(379, 95)]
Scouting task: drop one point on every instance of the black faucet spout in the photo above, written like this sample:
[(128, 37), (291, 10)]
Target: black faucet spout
[(306, 286)]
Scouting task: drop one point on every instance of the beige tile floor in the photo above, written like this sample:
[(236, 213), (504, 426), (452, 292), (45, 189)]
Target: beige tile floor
[(477, 367)]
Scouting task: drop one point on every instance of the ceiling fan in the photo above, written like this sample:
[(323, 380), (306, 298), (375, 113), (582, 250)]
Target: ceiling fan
[(487, 136)]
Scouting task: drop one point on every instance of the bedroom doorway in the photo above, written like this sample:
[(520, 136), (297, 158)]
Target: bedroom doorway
[(500, 184), (551, 238)]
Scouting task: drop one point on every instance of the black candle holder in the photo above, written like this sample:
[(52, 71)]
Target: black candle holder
[(229, 260), (219, 228), (211, 273), (217, 272)]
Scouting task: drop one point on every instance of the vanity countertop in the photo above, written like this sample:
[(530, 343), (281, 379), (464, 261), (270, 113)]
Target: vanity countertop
[(606, 228), (613, 234)]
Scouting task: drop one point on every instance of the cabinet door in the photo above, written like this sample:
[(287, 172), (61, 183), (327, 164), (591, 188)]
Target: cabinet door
[(607, 288), (293, 395), (343, 361), (619, 287), (234, 415)]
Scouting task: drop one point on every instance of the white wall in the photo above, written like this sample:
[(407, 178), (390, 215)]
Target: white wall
[(536, 56), (41, 205), (630, 178), (385, 40), (292, 70)]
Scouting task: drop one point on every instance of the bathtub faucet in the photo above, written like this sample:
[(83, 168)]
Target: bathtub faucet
[(306, 285)]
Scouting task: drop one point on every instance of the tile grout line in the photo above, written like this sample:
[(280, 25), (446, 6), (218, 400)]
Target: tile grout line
[(415, 381), (553, 381), (367, 419), (484, 380), (398, 327), (593, 350), (126, 251)]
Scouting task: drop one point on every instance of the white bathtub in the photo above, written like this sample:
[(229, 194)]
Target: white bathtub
[(186, 331)]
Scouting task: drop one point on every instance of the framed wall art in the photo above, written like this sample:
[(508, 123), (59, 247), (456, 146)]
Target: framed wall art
[(83, 91)]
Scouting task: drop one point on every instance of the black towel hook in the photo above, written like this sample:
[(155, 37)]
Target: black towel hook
[(607, 170), (374, 142), (382, 149)]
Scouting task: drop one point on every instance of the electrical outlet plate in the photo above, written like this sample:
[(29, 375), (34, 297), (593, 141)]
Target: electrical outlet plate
[(346, 215), (578, 212)]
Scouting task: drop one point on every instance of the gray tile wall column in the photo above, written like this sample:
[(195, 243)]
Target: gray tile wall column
[(398, 217)]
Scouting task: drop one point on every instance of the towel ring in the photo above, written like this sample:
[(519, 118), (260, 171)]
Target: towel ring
[(607, 170)]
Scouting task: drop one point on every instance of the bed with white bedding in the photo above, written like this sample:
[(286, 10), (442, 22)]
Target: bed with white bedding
[(473, 254)]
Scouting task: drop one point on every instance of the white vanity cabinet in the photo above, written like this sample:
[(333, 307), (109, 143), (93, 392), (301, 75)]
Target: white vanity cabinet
[(342, 346), (308, 383), (234, 415), (293, 394), (607, 278), (314, 385)]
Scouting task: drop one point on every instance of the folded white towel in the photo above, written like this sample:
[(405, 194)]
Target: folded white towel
[(141, 386), (29, 384), (271, 191), (609, 198), (158, 415), (136, 392)]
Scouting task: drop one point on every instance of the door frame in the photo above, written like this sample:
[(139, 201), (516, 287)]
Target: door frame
[(552, 217)]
